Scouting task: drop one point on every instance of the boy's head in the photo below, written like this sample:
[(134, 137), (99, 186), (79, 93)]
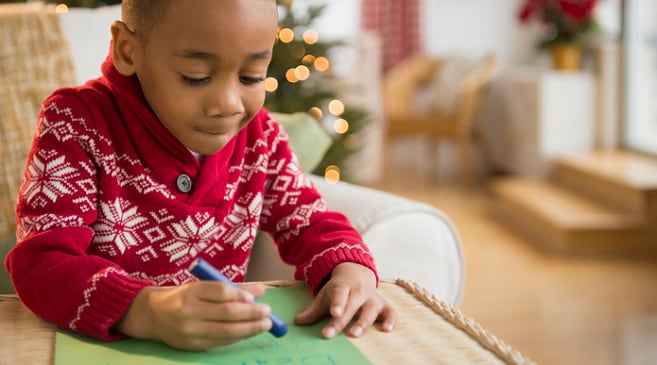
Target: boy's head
[(201, 64), (141, 15)]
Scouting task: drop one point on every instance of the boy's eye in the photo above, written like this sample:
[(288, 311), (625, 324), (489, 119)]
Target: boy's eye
[(246, 80), (195, 81)]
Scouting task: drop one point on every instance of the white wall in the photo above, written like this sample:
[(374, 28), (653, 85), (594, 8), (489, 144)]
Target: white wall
[(478, 27), (449, 26)]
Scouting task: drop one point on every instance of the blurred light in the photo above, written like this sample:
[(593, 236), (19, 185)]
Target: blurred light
[(308, 59), (316, 113), (341, 126), (321, 64), (336, 107), (271, 84), (310, 36), (286, 35), (351, 142), (61, 8), (332, 174), (298, 51), (302, 72), (291, 76)]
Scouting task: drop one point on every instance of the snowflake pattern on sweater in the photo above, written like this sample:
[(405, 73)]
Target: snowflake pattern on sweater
[(99, 214)]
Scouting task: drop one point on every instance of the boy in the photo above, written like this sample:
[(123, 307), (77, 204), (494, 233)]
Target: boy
[(167, 157)]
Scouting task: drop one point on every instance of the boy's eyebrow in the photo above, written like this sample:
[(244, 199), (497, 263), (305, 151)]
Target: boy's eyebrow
[(191, 53)]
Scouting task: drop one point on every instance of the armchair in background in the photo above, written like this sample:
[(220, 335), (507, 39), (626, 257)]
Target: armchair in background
[(439, 98)]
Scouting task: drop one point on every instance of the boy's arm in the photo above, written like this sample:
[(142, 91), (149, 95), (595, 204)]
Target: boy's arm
[(308, 234), (56, 205)]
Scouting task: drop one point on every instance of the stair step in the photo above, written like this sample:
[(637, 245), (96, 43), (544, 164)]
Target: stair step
[(565, 221), (624, 180)]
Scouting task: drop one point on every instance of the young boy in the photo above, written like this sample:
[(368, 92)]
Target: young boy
[(167, 157)]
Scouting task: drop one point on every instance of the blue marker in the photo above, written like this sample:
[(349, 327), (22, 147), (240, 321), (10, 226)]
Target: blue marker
[(204, 271)]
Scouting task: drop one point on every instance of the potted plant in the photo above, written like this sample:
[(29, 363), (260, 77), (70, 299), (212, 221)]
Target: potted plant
[(565, 23)]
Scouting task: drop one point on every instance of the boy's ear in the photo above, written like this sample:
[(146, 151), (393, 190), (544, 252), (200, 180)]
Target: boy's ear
[(124, 42)]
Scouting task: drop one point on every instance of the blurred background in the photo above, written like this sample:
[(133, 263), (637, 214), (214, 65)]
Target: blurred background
[(531, 123)]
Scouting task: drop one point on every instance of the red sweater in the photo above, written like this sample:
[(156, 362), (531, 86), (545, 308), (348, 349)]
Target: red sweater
[(101, 212)]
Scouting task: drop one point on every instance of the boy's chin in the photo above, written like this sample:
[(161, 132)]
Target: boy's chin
[(209, 149)]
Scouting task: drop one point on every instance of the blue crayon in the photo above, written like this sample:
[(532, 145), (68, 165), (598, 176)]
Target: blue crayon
[(204, 271)]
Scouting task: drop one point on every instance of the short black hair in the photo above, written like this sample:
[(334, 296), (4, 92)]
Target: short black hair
[(141, 16)]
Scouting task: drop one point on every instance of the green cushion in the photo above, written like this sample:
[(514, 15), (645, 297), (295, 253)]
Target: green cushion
[(5, 282), (308, 139)]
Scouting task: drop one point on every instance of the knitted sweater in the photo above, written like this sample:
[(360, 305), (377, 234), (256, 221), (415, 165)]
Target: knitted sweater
[(111, 202)]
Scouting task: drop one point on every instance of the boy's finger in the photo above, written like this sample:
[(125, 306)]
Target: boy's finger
[(315, 311), (213, 291), (257, 290), (229, 311), (388, 317), (339, 301), (368, 315), (343, 308), (203, 335)]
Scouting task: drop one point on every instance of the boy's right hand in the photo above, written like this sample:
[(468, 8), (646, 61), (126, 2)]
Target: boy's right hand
[(196, 316)]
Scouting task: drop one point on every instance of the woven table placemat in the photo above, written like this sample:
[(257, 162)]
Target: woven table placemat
[(429, 331)]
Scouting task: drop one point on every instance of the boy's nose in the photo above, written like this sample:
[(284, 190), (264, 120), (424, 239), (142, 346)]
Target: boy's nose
[(225, 101)]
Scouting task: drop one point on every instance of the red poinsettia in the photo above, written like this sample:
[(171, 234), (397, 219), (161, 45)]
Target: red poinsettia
[(565, 20)]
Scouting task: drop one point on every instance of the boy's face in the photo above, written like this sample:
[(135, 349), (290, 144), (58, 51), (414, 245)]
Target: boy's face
[(202, 68)]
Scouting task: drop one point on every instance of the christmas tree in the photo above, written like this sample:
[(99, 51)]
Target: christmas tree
[(301, 79)]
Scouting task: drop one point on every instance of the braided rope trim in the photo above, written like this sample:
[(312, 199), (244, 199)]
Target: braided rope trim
[(466, 324)]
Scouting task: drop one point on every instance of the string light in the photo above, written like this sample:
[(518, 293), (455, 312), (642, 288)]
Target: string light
[(61, 8), (271, 84), (321, 64), (332, 174), (336, 107), (308, 59), (310, 36), (286, 35), (302, 72), (316, 113), (291, 76), (340, 126)]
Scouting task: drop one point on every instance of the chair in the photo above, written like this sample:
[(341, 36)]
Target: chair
[(456, 88), (33, 61)]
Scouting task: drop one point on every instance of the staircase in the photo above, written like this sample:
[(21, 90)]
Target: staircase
[(604, 202)]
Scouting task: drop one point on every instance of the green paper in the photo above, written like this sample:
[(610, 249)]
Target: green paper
[(301, 345)]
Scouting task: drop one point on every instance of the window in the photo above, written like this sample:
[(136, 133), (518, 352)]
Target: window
[(640, 75)]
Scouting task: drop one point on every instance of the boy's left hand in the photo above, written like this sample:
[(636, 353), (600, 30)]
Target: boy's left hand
[(349, 294)]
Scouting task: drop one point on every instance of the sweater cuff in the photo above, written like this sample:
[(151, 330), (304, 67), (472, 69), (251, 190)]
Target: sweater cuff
[(316, 273), (105, 301)]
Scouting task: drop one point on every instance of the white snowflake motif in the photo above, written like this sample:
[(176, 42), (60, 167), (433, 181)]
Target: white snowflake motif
[(117, 227), (62, 130), (49, 178), (234, 272), (41, 223), (244, 221), (190, 237)]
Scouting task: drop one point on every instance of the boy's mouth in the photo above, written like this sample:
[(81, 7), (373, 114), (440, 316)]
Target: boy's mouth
[(215, 132)]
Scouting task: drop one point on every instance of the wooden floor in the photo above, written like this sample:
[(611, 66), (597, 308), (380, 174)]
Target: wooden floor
[(555, 310)]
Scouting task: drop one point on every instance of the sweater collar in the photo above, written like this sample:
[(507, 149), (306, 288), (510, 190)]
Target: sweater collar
[(162, 153), (135, 110)]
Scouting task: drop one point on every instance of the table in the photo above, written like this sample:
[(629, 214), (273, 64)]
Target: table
[(429, 332)]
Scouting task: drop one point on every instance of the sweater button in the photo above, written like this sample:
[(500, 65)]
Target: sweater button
[(184, 183)]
